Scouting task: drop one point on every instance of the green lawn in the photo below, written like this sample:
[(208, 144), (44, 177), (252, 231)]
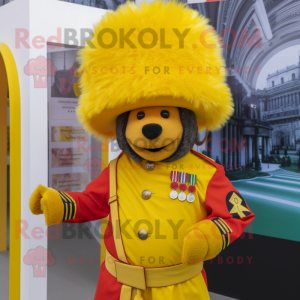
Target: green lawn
[(245, 174), (292, 168)]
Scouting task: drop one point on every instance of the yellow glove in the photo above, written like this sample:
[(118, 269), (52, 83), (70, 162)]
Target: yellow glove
[(203, 242), (47, 201)]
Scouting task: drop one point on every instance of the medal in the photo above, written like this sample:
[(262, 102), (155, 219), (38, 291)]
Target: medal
[(182, 186), (174, 185), (192, 188)]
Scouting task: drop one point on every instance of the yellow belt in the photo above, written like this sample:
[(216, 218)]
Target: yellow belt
[(142, 278)]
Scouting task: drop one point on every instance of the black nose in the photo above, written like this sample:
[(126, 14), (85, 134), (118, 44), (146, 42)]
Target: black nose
[(152, 131)]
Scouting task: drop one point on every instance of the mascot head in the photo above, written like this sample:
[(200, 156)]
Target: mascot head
[(152, 77)]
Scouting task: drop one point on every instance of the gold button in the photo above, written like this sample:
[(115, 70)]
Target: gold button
[(149, 165), (143, 234), (146, 194)]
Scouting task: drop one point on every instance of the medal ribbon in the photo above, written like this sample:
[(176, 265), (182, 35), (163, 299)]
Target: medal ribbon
[(192, 182), (183, 177), (174, 176), (192, 179)]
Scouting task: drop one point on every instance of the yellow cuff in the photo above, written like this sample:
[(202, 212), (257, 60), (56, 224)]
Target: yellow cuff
[(53, 207), (205, 241)]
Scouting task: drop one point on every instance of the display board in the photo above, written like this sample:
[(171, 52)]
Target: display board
[(259, 147), (75, 158)]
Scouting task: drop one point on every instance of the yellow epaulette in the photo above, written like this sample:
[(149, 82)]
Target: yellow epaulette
[(203, 155)]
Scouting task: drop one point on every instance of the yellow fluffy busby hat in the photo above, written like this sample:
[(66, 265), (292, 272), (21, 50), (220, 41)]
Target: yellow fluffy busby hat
[(158, 54)]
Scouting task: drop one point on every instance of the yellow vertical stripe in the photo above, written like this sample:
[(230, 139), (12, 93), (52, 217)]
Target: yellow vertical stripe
[(104, 221), (8, 68), (225, 225), (69, 206), (3, 157)]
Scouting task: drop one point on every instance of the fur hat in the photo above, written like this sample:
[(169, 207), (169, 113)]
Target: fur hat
[(120, 66)]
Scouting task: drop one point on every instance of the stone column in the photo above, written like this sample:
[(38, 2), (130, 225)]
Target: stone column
[(230, 150), (270, 143), (249, 149), (225, 144), (257, 162), (239, 153), (261, 107), (267, 146), (264, 147), (209, 144), (234, 149)]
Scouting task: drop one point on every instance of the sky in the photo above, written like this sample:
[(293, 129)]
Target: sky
[(284, 58)]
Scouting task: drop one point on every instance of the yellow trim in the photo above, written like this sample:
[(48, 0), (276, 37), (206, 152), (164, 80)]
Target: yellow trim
[(153, 277), (105, 220), (15, 168), (68, 203), (114, 210), (133, 276), (228, 229), (126, 292), (3, 157)]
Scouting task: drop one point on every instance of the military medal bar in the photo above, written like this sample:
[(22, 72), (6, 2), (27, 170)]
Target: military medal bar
[(192, 188), (183, 177), (174, 185)]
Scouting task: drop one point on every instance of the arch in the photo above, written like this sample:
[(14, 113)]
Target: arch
[(9, 75), (253, 81)]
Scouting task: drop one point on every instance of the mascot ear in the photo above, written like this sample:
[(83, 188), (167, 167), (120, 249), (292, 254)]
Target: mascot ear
[(203, 141)]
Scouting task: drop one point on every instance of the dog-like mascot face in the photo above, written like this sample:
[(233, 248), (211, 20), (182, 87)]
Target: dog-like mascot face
[(159, 133)]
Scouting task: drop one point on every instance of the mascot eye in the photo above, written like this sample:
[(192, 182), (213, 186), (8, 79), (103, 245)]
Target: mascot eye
[(165, 114), (140, 115)]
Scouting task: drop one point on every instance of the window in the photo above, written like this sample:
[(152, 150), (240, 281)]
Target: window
[(293, 76), (282, 80), (273, 83)]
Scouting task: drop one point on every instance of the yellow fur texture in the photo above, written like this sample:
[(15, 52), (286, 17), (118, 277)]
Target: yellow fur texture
[(203, 242), (48, 201), (120, 78)]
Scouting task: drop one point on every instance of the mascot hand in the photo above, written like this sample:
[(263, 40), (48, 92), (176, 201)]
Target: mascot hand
[(203, 242), (47, 201)]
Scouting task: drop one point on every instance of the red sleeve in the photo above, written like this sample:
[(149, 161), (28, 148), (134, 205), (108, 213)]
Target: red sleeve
[(226, 207), (92, 204)]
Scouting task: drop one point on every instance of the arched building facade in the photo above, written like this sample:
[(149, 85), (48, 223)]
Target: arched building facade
[(253, 32), (280, 106)]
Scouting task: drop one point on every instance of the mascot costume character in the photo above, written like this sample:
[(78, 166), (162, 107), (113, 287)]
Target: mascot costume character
[(152, 77)]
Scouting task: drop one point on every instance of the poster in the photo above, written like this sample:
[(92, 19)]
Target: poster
[(68, 157), (75, 158), (68, 134), (70, 181)]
